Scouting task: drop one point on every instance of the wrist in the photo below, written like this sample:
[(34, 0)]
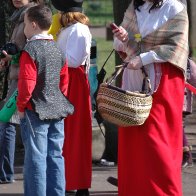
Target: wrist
[(125, 40)]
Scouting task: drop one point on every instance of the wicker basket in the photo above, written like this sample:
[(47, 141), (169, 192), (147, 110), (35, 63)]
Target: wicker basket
[(123, 108)]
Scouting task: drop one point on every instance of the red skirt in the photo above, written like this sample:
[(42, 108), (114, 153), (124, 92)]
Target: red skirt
[(150, 155), (77, 149)]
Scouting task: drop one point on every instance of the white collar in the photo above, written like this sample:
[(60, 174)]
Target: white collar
[(148, 4), (41, 36)]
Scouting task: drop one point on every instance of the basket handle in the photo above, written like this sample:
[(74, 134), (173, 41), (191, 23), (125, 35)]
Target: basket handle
[(146, 86), (116, 73)]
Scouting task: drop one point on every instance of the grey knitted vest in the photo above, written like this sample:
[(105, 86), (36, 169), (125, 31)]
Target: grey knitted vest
[(47, 99)]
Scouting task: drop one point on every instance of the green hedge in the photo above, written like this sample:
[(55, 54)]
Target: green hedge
[(100, 12)]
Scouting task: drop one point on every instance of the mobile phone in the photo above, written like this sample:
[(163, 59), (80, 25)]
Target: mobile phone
[(113, 26)]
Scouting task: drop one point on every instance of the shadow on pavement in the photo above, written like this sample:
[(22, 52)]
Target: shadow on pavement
[(98, 193), (103, 168), (103, 193)]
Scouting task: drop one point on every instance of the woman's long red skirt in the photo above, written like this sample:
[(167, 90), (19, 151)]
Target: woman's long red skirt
[(150, 155), (77, 149)]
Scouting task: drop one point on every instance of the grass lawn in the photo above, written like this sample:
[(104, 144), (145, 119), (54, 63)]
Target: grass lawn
[(194, 52), (104, 48)]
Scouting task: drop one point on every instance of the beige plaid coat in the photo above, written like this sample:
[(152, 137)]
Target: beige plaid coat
[(170, 41)]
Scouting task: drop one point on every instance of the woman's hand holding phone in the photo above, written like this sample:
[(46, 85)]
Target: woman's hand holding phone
[(119, 32), (113, 26)]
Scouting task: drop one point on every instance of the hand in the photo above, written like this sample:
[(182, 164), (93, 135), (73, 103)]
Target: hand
[(7, 56), (21, 115), (121, 34), (2, 64), (122, 55), (135, 63)]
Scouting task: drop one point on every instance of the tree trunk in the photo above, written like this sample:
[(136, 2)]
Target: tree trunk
[(119, 8), (189, 9)]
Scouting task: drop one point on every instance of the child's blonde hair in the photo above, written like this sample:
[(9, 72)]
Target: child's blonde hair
[(72, 17)]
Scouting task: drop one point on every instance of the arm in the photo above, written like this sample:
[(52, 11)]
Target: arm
[(150, 57), (77, 45), (4, 61), (26, 82), (120, 44), (120, 39)]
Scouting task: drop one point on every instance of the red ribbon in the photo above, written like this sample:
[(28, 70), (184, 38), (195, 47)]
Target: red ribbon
[(190, 87)]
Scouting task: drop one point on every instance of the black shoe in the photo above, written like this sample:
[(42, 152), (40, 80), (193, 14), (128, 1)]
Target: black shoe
[(6, 181), (72, 192), (82, 192), (113, 181)]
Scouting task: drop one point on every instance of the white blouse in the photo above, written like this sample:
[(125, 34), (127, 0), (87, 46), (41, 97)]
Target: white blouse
[(147, 23), (75, 43)]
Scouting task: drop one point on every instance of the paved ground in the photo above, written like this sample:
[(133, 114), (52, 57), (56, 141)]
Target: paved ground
[(100, 186), (98, 32)]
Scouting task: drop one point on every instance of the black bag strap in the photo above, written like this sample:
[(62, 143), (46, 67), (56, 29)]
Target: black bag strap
[(116, 73), (107, 59)]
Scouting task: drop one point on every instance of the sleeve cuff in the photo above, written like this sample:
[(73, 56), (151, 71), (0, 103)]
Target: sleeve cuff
[(150, 57), (146, 58), (21, 109)]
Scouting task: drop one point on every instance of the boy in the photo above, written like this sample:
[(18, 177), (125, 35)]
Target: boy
[(42, 106)]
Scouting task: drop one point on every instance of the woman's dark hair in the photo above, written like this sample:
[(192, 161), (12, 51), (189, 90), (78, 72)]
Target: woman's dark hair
[(40, 14), (156, 4), (37, 1)]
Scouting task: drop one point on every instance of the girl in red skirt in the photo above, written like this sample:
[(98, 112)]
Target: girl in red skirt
[(154, 35), (75, 41)]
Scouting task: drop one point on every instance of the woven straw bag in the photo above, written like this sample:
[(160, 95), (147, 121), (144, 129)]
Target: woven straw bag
[(123, 108)]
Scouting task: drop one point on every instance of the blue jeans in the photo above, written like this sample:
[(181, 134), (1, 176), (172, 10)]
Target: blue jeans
[(43, 163), (7, 150)]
